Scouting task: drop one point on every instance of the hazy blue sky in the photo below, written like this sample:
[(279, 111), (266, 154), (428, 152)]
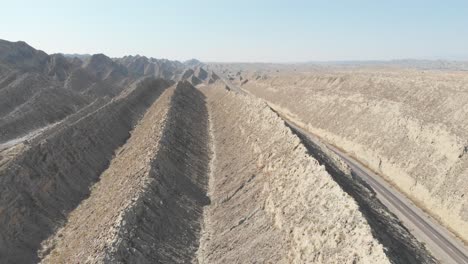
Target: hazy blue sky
[(276, 31)]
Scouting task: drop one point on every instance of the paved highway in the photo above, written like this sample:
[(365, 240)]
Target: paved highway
[(442, 244)]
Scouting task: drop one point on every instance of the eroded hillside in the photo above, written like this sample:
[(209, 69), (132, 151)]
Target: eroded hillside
[(408, 125), (148, 205), (53, 173), (140, 160), (264, 183)]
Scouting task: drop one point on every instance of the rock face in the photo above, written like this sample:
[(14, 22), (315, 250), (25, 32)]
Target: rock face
[(400, 245), (199, 75), (38, 90), (126, 161), (264, 183), (194, 80), (21, 55), (43, 108), (147, 206), (157, 68), (409, 126), (193, 63), (103, 67), (53, 174)]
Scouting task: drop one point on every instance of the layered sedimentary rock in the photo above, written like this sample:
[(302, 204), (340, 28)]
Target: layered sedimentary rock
[(158, 68), (147, 206), (102, 163), (53, 172), (410, 126), (270, 201), (38, 90)]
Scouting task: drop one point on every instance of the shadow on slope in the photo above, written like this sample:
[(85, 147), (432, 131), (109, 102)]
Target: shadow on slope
[(40, 186), (400, 245)]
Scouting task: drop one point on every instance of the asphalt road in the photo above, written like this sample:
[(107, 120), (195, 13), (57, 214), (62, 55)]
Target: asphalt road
[(443, 245)]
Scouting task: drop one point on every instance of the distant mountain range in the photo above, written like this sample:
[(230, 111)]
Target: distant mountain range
[(405, 63), (34, 84)]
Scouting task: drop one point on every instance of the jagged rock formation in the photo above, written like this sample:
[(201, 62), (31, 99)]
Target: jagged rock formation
[(146, 208), (408, 125), (194, 80), (21, 55), (149, 209), (38, 90), (187, 73), (102, 67), (158, 68), (270, 187), (193, 63), (42, 108), (199, 75), (400, 245), (53, 174), (140, 160)]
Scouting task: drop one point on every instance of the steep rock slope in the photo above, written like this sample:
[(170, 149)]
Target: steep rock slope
[(400, 245), (147, 206), (271, 201), (43, 108), (22, 56), (205, 75), (38, 90), (53, 174), (409, 126), (19, 89), (151, 67)]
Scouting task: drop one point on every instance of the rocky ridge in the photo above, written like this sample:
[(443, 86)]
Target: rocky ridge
[(140, 160), (407, 125)]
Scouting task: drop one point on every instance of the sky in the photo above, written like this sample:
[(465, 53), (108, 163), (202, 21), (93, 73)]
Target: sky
[(243, 30)]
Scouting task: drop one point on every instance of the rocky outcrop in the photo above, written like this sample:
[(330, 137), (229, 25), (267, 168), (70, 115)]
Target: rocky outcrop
[(213, 78), (193, 63), (46, 181), (194, 80), (151, 67), (147, 206), (263, 182), (201, 74), (38, 90), (409, 126), (400, 245), (19, 90), (45, 107), (187, 73), (103, 67), (20, 55), (102, 163)]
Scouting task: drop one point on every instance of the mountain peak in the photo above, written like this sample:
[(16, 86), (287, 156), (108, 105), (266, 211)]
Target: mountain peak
[(102, 66), (20, 55), (193, 63)]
